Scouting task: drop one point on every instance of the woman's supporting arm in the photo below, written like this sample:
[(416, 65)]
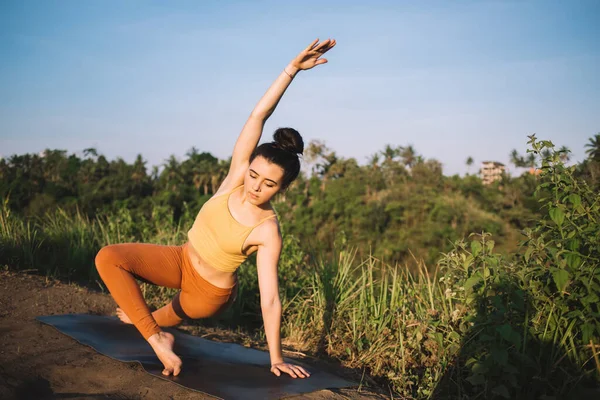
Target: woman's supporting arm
[(252, 130), (267, 259)]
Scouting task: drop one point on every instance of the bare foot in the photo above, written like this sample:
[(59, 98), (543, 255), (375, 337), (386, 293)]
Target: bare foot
[(162, 344), (122, 316)]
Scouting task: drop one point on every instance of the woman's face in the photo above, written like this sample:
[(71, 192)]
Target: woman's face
[(262, 180)]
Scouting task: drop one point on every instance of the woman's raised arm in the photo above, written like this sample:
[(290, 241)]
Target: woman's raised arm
[(252, 130)]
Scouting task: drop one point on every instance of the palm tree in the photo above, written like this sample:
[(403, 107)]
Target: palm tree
[(218, 172), (314, 155), (372, 171), (139, 169), (155, 173), (172, 177), (517, 159), (409, 155), (564, 154), (323, 159), (199, 169), (374, 161), (139, 177), (389, 154), (90, 151), (530, 161), (469, 163), (593, 150)]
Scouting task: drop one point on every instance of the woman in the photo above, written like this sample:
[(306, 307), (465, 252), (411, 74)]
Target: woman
[(236, 222)]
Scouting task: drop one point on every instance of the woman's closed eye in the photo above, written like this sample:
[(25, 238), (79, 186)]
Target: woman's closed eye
[(269, 185)]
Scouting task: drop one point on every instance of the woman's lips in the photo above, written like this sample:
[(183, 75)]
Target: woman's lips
[(253, 195)]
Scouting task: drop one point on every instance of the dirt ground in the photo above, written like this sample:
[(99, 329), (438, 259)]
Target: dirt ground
[(38, 362)]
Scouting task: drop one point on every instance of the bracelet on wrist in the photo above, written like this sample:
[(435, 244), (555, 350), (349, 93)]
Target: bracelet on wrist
[(288, 74)]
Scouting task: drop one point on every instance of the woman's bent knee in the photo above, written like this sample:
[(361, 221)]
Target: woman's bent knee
[(106, 257)]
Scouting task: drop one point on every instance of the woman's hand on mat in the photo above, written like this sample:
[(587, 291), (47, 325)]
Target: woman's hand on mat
[(295, 371), (310, 56)]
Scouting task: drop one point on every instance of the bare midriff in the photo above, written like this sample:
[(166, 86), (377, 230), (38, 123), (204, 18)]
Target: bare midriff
[(218, 278)]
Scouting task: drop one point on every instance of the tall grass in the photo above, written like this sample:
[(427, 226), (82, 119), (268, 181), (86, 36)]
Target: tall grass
[(469, 329), (394, 324)]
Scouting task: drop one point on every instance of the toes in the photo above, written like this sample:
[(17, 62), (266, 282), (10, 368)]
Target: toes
[(176, 370)]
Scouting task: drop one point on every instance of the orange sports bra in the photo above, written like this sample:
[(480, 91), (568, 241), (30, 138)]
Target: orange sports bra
[(217, 236)]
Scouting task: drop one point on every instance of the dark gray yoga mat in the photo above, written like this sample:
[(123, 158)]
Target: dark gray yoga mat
[(225, 370)]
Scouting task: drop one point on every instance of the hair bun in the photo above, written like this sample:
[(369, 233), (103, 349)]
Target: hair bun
[(289, 139)]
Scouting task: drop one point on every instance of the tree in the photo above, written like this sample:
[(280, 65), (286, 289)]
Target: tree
[(139, 177), (409, 155), (517, 159), (564, 154), (322, 159), (530, 162), (198, 169), (593, 146), (390, 153), (90, 151), (374, 161), (391, 166), (469, 163)]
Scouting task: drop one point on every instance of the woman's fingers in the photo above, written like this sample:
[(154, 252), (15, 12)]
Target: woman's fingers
[(305, 372), (302, 372), (295, 371), (290, 371), (331, 44), (323, 46), (313, 44)]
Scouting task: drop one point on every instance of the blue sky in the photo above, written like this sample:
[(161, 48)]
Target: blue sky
[(453, 79)]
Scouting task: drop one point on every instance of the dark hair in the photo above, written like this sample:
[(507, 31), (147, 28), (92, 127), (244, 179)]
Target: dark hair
[(283, 151)]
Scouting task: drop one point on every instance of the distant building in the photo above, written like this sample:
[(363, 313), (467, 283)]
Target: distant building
[(491, 171)]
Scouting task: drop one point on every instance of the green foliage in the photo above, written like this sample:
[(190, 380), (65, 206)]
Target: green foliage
[(493, 361), (398, 207), (562, 253)]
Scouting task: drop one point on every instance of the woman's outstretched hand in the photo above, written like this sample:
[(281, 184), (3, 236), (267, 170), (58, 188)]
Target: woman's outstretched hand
[(310, 56), (295, 371)]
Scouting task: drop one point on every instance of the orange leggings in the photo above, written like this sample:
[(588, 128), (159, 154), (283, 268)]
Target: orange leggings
[(170, 266)]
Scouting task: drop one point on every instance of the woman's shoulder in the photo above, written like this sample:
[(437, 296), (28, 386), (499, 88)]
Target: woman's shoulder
[(269, 226)]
